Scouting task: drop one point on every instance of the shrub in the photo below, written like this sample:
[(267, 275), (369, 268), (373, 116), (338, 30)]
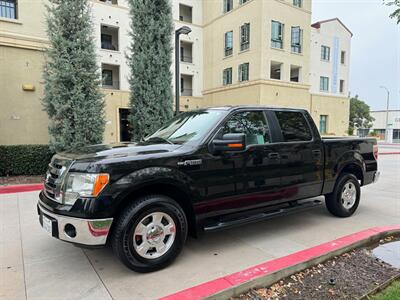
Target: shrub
[(24, 159)]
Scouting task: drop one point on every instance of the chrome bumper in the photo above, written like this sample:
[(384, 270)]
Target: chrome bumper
[(91, 232), (376, 176)]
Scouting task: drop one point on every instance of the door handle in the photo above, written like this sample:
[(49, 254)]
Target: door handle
[(316, 153), (273, 156)]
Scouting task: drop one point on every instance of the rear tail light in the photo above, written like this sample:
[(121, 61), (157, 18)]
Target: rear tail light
[(376, 152)]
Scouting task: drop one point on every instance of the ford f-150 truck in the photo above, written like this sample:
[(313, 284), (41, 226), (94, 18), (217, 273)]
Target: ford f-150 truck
[(204, 170)]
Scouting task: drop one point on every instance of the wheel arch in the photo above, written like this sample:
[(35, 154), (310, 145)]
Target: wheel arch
[(170, 190), (352, 168)]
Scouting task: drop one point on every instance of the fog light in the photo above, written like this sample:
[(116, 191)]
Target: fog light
[(70, 230)]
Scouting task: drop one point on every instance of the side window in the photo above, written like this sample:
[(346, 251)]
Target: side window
[(253, 124), (294, 126)]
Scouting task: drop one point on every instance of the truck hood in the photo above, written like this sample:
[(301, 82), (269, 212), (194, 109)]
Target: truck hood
[(118, 150)]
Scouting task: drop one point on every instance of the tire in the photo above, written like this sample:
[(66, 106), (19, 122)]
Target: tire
[(340, 204), (154, 222)]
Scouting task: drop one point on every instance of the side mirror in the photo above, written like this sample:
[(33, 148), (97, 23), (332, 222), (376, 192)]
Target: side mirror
[(230, 142)]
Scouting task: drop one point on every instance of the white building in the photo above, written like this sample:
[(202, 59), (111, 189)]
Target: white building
[(379, 125), (330, 57), (111, 22)]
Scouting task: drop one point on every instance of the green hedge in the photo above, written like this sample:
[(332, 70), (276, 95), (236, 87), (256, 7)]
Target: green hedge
[(24, 159)]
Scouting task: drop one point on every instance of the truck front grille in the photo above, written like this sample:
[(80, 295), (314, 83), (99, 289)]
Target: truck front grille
[(55, 175)]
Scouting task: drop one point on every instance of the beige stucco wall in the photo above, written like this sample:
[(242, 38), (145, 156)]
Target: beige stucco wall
[(336, 108), (22, 120), (114, 101), (30, 21)]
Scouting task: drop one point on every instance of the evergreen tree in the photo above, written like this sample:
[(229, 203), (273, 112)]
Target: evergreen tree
[(72, 96), (150, 61)]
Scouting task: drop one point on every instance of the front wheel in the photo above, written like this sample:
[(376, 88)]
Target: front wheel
[(150, 233), (344, 199)]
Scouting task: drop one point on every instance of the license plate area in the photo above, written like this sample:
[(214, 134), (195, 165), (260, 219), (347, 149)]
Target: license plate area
[(49, 225)]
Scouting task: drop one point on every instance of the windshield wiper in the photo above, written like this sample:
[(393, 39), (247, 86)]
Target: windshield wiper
[(159, 139)]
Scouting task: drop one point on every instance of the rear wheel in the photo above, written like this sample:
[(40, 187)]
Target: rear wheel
[(150, 233), (344, 199)]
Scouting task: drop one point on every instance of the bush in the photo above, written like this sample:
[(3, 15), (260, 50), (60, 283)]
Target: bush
[(24, 159)]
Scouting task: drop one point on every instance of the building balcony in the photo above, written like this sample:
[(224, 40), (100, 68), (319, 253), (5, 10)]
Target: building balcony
[(109, 38), (110, 77), (186, 85), (186, 52), (185, 13), (113, 2)]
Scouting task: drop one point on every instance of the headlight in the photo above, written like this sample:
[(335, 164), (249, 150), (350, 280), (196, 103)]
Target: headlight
[(83, 185)]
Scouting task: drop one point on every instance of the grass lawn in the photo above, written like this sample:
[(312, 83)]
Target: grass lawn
[(392, 292)]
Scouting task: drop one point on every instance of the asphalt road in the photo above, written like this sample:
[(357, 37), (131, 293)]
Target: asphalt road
[(36, 266)]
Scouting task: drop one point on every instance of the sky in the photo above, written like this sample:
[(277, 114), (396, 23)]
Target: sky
[(375, 48)]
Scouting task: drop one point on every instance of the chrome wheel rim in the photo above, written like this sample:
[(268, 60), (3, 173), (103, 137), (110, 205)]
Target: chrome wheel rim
[(349, 195), (154, 235)]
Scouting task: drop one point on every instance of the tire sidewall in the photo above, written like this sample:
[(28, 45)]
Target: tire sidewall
[(338, 194), (153, 204)]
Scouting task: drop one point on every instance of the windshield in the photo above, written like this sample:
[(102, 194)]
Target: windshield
[(188, 127)]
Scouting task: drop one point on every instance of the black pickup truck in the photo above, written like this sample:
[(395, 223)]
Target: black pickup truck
[(205, 170)]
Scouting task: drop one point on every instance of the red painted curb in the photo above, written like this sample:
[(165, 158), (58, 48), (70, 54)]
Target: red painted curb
[(387, 153), (9, 189), (214, 286)]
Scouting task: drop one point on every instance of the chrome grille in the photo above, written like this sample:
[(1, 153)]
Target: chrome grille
[(58, 168)]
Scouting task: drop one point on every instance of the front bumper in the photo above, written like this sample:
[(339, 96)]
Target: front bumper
[(90, 232)]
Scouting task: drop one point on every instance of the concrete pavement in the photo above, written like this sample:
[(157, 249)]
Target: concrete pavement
[(36, 266)]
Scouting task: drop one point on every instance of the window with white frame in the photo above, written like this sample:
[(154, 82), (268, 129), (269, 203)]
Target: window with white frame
[(8, 9), (228, 5), (242, 1), (277, 29), (227, 76), (228, 47), (245, 36), (243, 72), (296, 39), (324, 84), (325, 53)]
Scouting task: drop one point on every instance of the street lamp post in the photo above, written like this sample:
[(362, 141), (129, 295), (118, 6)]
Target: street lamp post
[(387, 113), (178, 32)]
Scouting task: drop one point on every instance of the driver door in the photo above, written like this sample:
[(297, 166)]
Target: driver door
[(254, 172)]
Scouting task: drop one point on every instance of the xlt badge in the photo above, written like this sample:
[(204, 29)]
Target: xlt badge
[(193, 162)]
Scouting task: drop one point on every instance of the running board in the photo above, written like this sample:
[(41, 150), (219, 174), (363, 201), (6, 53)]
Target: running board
[(230, 221)]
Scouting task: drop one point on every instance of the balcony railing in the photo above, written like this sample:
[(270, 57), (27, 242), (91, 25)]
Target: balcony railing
[(187, 59), (108, 46), (114, 85), (187, 92)]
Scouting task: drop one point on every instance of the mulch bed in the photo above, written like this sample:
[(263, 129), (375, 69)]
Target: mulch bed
[(348, 276), (13, 180)]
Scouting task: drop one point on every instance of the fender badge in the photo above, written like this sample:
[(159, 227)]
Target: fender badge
[(194, 162)]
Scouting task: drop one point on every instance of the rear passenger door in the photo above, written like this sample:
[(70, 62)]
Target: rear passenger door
[(301, 155)]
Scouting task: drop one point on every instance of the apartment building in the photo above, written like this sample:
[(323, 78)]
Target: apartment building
[(329, 75), (239, 52)]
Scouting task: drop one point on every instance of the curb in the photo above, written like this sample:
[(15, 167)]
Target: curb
[(274, 270), (20, 188), (387, 153)]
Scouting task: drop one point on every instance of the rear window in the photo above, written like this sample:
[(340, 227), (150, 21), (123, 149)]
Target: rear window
[(294, 126)]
